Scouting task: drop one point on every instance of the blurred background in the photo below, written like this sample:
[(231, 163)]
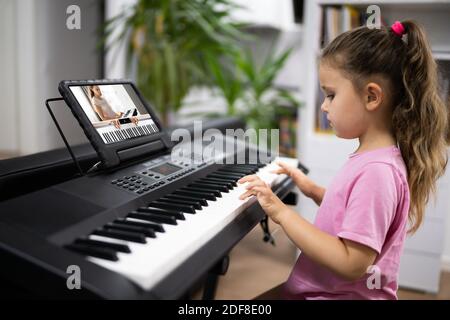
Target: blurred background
[(198, 59)]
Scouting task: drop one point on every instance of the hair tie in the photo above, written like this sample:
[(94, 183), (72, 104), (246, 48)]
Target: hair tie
[(398, 29)]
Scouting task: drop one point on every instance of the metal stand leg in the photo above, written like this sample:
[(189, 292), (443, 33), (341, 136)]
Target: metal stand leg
[(212, 278)]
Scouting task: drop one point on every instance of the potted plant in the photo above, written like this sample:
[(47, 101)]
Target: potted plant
[(168, 41), (248, 88)]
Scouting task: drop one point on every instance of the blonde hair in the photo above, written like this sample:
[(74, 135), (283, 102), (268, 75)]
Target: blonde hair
[(419, 116)]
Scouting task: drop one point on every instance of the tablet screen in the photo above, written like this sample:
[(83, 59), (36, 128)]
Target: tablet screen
[(115, 111)]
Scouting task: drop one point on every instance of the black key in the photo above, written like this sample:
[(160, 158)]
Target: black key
[(146, 231), (204, 195), (165, 208), (250, 167), (208, 185), (193, 203), (239, 170), (219, 181), (229, 174), (225, 176), (153, 217), (155, 226), (200, 200), (98, 252), (123, 235), (97, 243), (231, 181), (197, 189)]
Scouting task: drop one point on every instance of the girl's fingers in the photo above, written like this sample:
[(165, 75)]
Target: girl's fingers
[(284, 165), (247, 178), (246, 194), (255, 183), (259, 189)]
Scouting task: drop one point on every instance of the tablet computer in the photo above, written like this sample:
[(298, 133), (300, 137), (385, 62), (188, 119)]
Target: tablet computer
[(116, 119)]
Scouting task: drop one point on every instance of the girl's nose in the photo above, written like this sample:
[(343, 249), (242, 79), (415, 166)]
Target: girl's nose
[(324, 107)]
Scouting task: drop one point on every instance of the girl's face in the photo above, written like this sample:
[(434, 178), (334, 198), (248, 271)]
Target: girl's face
[(343, 105), (97, 91)]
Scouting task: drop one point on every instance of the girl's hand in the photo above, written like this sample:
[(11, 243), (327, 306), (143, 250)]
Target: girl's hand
[(116, 123), (135, 120), (270, 203), (305, 184)]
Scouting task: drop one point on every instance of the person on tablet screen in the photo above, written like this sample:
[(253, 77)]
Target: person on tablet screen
[(104, 109)]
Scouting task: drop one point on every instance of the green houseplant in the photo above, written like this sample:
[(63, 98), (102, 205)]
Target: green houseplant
[(248, 88), (168, 41)]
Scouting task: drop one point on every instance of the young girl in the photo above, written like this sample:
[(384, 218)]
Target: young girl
[(104, 109), (380, 87)]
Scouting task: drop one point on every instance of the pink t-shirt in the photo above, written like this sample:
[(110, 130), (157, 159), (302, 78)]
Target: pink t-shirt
[(367, 202)]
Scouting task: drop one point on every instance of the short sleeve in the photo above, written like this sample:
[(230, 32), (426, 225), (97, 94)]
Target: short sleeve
[(371, 206)]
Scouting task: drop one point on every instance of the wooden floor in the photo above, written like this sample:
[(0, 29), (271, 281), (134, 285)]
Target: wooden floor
[(256, 267)]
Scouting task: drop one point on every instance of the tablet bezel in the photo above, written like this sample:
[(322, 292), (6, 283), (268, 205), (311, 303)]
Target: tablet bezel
[(109, 153)]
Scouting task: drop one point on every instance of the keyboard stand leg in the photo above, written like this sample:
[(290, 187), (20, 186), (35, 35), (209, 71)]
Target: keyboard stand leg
[(212, 278)]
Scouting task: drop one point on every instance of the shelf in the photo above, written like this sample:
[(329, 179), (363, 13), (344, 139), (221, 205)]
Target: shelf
[(441, 55), (395, 3)]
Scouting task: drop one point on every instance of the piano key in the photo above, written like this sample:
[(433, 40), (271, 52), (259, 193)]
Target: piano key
[(148, 232), (155, 226), (237, 170), (210, 186), (150, 263), (153, 217), (177, 214), (204, 195), (230, 174), (193, 203), (174, 209), (222, 182), (227, 185), (97, 243), (214, 192), (123, 235), (98, 252), (200, 200), (225, 176), (229, 180)]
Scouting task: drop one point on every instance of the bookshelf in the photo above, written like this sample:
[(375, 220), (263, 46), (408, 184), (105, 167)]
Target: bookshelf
[(324, 153)]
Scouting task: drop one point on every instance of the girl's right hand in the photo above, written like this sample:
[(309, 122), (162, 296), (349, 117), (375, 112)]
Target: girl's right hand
[(305, 184)]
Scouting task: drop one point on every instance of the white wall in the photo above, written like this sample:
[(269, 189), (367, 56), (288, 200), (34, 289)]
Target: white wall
[(38, 51), (115, 60), (8, 138)]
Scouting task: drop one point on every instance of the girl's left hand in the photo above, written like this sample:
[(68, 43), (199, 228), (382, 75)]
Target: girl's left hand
[(135, 120), (270, 203)]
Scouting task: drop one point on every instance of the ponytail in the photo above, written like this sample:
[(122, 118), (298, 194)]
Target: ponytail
[(420, 122)]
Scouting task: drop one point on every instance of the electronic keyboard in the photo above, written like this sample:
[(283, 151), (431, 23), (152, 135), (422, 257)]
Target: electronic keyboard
[(148, 230)]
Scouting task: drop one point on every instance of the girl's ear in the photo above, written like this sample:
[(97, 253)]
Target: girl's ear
[(373, 96)]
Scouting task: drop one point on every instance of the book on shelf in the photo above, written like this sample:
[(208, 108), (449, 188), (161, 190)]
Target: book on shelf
[(337, 19), (288, 125), (444, 86)]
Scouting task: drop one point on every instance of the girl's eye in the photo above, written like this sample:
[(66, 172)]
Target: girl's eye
[(330, 96)]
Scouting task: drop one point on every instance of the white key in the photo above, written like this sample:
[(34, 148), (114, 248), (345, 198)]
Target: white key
[(149, 263), (108, 132)]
